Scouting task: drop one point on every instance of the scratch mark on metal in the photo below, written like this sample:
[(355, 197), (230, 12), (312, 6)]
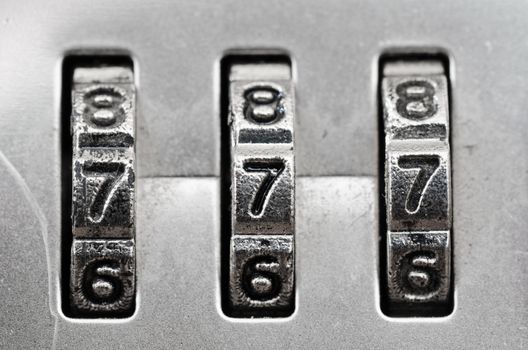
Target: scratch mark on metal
[(37, 210)]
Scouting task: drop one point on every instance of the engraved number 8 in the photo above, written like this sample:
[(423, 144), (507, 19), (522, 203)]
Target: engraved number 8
[(416, 100)]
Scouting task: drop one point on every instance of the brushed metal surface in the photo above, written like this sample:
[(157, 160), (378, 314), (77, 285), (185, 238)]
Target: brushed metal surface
[(335, 45)]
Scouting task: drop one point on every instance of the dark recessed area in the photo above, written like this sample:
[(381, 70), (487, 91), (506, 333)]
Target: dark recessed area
[(406, 309), (247, 57), (69, 64)]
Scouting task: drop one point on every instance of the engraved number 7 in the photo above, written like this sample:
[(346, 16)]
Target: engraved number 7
[(273, 169), (112, 173), (427, 165)]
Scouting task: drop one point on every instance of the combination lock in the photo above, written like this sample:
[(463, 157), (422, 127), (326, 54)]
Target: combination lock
[(263, 175)]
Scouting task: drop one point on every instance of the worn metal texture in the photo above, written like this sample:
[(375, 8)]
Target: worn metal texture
[(262, 275), (262, 184), (415, 112), (103, 157), (336, 46), (263, 169), (102, 277), (417, 155), (419, 266), (102, 271)]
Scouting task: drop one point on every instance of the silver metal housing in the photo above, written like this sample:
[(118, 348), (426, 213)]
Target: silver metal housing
[(335, 47)]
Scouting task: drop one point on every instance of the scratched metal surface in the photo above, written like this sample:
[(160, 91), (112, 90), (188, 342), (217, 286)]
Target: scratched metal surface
[(335, 46)]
